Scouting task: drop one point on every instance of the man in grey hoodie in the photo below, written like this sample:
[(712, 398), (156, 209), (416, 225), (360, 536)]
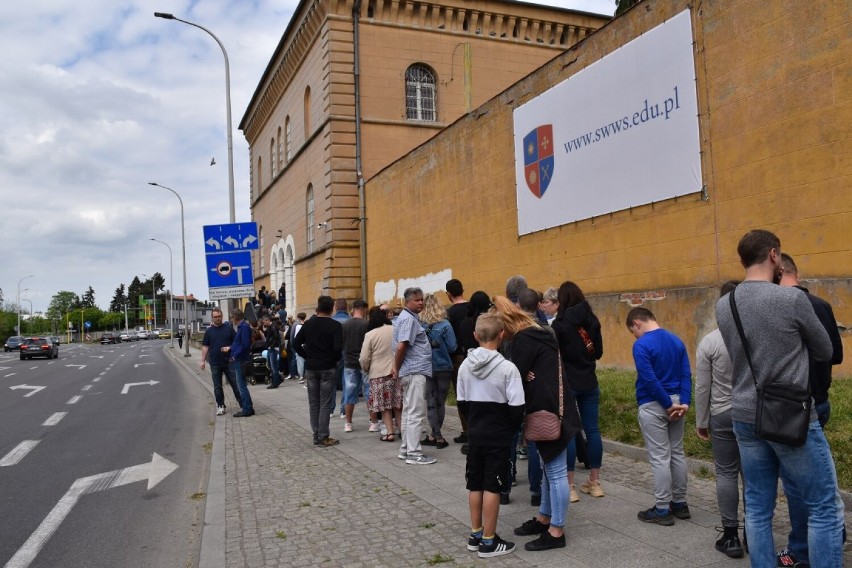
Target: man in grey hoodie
[(783, 333)]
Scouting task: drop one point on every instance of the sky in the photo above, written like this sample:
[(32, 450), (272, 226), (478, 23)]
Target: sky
[(98, 99)]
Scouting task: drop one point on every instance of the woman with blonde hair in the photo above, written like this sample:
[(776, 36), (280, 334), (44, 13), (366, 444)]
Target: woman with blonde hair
[(535, 353), (443, 342)]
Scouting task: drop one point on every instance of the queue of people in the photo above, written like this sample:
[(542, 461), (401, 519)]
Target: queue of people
[(523, 368)]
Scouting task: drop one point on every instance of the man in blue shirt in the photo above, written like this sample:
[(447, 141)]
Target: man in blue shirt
[(216, 337), (663, 390), (240, 352)]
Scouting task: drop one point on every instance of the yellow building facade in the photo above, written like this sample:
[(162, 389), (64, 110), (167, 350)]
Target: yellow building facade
[(774, 87), (327, 116)]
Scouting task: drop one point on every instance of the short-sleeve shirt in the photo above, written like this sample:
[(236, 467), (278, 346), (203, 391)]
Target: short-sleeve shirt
[(215, 338), (418, 357)]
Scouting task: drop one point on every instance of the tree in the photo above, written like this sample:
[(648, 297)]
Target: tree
[(118, 300), (88, 300), (62, 303), (622, 6)]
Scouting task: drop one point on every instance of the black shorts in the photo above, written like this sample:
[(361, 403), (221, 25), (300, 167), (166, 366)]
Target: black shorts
[(487, 468)]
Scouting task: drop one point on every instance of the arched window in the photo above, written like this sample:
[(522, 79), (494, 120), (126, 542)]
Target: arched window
[(288, 140), (309, 219), (272, 160), (280, 156), (420, 99), (307, 112), (259, 175), (260, 251)]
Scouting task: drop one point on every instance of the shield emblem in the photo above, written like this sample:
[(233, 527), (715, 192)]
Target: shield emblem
[(538, 159)]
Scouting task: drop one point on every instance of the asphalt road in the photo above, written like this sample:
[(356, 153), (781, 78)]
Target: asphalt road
[(53, 512)]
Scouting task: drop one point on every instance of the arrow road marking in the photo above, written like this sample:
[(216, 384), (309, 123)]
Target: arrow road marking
[(127, 386), (155, 471), (18, 453), (34, 389), (137, 365), (54, 419), (79, 366)]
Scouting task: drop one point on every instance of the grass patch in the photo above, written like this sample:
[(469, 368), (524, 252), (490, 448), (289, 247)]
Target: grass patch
[(198, 496), (305, 504), (439, 559), (618, 420), (427, 525), (281, 534), (208, 447)]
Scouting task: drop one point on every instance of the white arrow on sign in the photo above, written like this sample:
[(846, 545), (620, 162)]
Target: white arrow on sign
[(34, 389), (154, 471), (127, 386), (78, 366), (213, 243), (233, 242), (249, 240), (137, 365)]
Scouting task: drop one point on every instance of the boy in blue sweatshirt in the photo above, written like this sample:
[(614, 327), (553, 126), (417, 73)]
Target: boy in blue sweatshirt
[(491, 397), (663, 390)]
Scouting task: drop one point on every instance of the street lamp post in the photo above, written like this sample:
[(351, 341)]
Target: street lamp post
[(31, 313), (183, 251), (18, 300), (171, 285), (167, 16)]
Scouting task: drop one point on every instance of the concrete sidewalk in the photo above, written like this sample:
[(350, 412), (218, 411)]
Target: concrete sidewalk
[(275, 499)]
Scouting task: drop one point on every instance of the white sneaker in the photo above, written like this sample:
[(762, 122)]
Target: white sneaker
[(374, 427), (348, 427), (220, 411), (342, 416), (420, 460)]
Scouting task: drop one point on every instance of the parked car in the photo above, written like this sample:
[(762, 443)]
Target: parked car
[(56, 339), (165, 334), (142, 335), (39, 347), (13, 343), (109, 337), (125, 336)]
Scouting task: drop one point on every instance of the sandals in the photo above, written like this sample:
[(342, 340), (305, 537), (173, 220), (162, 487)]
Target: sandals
[(441, 443), (387, 438)]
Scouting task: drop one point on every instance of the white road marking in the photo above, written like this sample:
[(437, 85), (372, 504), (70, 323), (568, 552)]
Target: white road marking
[(144, 355), (103, 373), (137, 365), (9, 375), (74, 399), (154, 471), (97, 356), (85, 388), (18, 453), (127, 386), (54, 419), (36, 367), (33, 388), (79, 366), (96, 379)]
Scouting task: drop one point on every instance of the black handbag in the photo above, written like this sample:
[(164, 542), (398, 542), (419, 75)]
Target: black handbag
[(783, 411)]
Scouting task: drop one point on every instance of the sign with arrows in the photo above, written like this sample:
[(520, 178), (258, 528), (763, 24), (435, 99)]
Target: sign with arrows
[(153, 472), (230, 237), (228, 252), (32, 389)]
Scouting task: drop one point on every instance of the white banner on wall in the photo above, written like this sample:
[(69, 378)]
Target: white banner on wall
[(622, 132)]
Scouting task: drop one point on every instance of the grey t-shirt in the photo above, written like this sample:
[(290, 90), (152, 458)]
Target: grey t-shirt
[(712, 379), (782, 331)]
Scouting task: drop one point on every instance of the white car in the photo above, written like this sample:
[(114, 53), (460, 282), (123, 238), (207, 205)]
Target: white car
[(141, 335), (125, 336)]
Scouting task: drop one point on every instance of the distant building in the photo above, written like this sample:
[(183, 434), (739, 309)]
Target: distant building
[(350, 90)]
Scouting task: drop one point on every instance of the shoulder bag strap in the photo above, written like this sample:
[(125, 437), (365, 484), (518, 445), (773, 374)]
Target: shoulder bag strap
[(561, 393), (739, 323)]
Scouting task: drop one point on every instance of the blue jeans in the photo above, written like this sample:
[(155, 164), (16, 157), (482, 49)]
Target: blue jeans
[(216, 371), (811, 469), (354, 383), (291, 360), (272, 357), (245, 397), (554, 490), (588, 403)]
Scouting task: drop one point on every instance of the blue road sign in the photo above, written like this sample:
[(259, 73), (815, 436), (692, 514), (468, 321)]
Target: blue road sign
[(229, 269), (230, 237), (88, 324)]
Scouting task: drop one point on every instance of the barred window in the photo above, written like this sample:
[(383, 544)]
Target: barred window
[(288, 140), (309, 219), (420, 99)]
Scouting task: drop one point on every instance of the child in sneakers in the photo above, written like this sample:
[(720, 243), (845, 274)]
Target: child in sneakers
[(491, 397)]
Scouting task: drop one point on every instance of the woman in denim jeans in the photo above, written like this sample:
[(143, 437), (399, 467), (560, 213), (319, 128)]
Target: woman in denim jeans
[(443, 342), (535, 353), (578, 332)]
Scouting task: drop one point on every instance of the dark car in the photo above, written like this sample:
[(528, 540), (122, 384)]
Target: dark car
[(39, 347), (108, 337), (13, 343)]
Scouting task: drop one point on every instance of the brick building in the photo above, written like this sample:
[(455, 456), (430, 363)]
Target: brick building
[(774, 90), (350, 88)]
